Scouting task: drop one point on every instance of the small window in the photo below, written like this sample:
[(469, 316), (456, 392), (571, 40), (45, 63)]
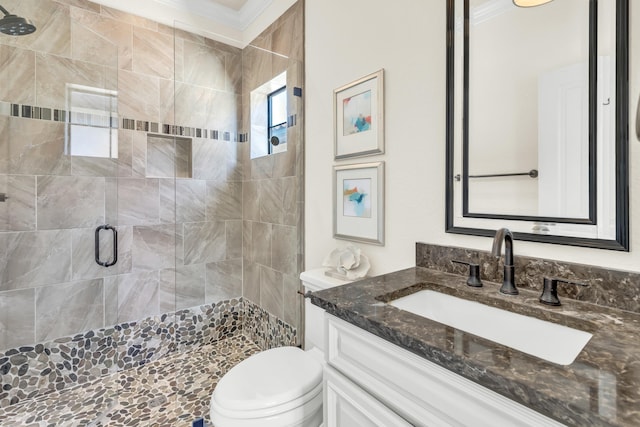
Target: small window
[(277, 121), (92, 129), (269, 116)]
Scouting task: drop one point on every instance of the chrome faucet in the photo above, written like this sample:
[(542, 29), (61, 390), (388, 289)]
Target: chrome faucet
[(508, 283)]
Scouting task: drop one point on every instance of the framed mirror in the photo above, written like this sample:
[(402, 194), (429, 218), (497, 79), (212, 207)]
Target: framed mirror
[(537, 121)]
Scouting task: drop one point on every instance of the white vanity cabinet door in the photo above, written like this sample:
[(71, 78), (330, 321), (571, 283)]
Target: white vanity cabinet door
[(347, 405), (421, 392)]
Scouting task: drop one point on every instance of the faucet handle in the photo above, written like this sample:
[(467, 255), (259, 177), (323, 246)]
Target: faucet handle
[(550, 290), (474, 273)]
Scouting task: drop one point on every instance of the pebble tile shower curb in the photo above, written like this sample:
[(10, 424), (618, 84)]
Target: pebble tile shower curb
[(30, 372)]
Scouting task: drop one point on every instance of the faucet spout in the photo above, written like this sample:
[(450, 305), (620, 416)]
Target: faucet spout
[(508, 283)]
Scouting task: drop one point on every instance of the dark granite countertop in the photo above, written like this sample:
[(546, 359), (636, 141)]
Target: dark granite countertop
[(600, 388)]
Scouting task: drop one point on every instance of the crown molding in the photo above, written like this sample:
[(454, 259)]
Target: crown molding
[(213, 11)]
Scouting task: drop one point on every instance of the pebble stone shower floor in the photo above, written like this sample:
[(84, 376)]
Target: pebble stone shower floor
[(171, 392)]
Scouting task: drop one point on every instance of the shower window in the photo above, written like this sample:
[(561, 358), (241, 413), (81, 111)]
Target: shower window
[(92, 122), (269, 117), (277, 121)]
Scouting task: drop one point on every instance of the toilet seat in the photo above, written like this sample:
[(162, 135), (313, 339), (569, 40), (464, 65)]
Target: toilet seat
[(283, 384)]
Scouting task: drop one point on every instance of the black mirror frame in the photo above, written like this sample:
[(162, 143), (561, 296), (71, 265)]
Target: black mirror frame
[(621, 243)]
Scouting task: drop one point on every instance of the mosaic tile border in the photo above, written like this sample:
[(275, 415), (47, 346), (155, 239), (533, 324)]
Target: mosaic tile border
[(97, 120), (266, 330), (30, 371)]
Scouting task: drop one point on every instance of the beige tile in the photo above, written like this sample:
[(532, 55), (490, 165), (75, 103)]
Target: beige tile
[(260, 251), (208, 156), (224, 280), (233, 72), (168, 157), (54, 73), (18, 75), (18, 212), (138, 201), (167, 200), (188, 283), (89, 46), (190, 200), (167, 291), (224, 200), (94, 166), (256, 66), (204, 66), (31, 259), (204, 242), (166, 103), (139, 155), (138, 96), (128, 18), (131, 297), (46, 157), (234, 239), (284, 249), (251, 281), (83, 304), (271, 198), (5, 149), (272, 291), (152, 53), (262, 167), (290, 192), (69, 202), (251, 200), (82, 4), (17, 318), (153, 247), (292, 300), (116, 33), (284, 164), (125, 152)]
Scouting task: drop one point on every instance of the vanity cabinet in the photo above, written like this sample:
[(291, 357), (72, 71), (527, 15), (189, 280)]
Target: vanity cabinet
[(371, 382)]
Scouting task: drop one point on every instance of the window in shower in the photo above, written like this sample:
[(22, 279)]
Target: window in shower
[(92, 121), (269, 117), (277, 121)]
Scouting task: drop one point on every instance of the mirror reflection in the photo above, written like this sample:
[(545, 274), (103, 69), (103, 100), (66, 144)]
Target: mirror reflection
[(528, 95), (537, 96)]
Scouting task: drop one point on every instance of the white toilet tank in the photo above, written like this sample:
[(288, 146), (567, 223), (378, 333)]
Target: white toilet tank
[(315, 280)]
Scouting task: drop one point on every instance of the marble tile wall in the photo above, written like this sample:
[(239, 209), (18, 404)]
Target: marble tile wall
[(611, 288), (176, 202), (272, 197)]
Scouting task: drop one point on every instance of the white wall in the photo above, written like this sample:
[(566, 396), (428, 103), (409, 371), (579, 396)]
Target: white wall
[(346, 40)]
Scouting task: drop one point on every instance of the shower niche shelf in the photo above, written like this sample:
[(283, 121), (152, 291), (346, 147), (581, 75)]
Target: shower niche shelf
[(169, 156)]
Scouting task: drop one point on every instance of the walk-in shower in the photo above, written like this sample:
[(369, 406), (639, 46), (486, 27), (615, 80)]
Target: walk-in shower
[(14, 25)]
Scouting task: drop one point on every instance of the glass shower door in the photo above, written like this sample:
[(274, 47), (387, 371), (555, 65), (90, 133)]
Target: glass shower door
[(60, 161)]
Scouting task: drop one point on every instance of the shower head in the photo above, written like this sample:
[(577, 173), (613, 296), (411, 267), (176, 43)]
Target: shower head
[(15, 25)]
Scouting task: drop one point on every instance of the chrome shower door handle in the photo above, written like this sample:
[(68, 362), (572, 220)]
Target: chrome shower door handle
[(115, 245)]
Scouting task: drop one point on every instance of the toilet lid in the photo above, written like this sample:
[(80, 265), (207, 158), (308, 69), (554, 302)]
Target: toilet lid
[(267, 379)]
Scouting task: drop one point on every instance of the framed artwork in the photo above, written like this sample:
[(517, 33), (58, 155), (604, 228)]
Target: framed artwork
[(358, 111), (358, 202)]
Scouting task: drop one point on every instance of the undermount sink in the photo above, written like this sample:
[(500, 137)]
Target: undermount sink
[(549, 341)]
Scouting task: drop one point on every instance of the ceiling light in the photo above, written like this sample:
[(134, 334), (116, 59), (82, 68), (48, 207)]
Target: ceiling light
[(529, 3)]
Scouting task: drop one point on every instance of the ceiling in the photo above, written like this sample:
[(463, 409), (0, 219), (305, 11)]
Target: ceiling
[(231, 4), (234, 22)]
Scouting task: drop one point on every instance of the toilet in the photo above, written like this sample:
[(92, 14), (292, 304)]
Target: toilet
[(279, 387)]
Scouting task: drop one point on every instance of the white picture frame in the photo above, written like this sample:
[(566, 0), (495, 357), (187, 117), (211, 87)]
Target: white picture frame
[(358, 195), (359, 117)]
